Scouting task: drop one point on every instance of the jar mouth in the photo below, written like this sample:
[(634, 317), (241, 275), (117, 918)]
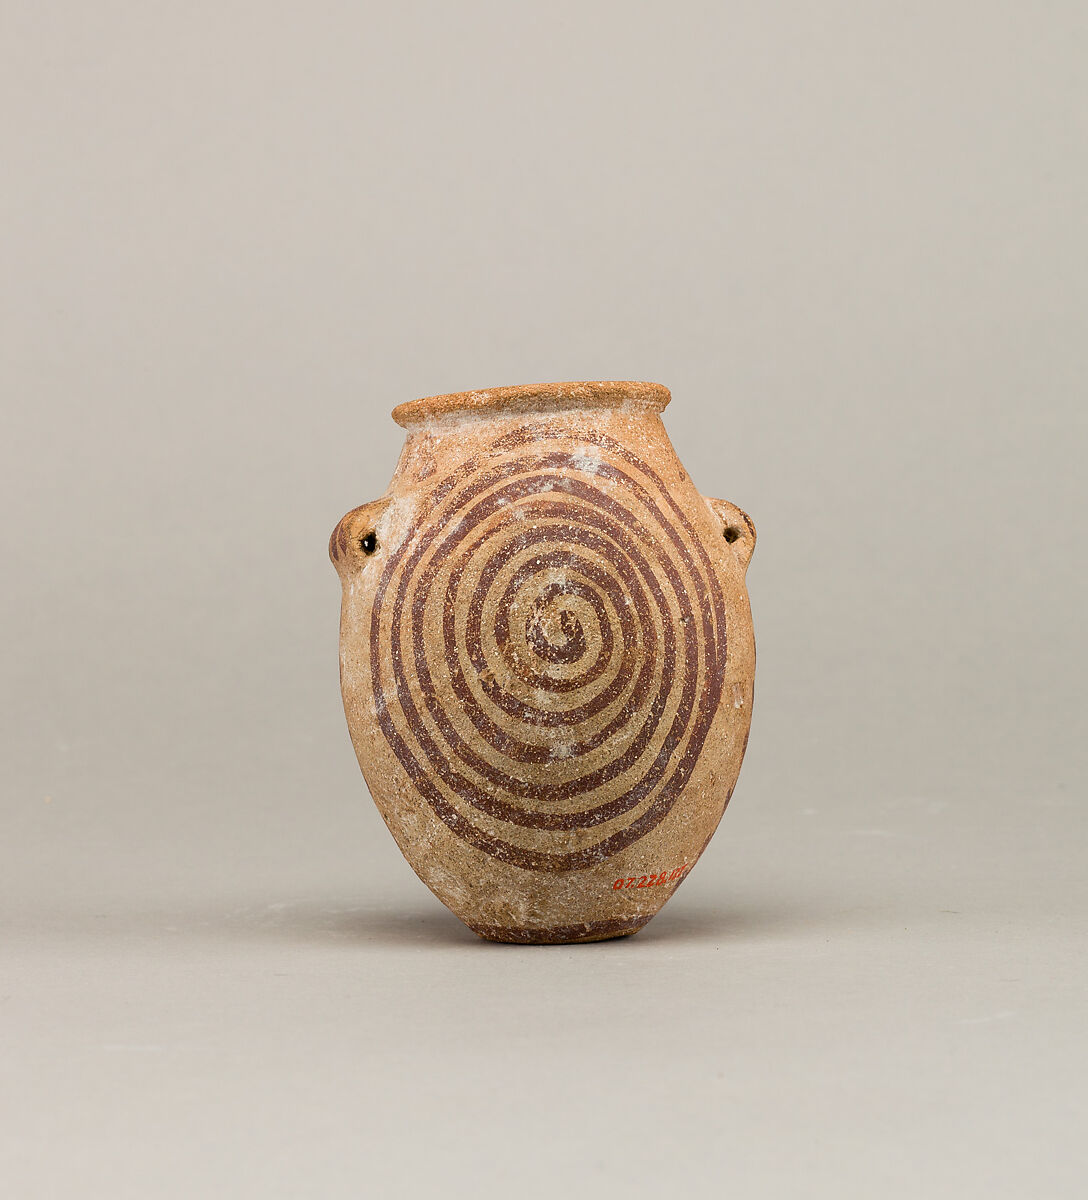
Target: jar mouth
[(535, 397)]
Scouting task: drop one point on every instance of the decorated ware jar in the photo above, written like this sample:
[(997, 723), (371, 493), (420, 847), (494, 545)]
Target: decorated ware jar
[(546, 656)]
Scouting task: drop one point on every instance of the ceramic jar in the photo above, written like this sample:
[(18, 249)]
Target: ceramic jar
[(546, 656)]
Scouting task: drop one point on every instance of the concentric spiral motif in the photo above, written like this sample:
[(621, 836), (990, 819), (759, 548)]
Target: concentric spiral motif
[(547, 650)]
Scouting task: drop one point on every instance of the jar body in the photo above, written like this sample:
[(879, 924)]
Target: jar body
[(547, 659)]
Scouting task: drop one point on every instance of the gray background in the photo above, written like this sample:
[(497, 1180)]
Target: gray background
[(852, 239)]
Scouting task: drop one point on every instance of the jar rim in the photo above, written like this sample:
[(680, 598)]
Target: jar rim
[(535, 397)]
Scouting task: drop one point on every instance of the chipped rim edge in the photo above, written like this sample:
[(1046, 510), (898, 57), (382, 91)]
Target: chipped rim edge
[(539, 397)]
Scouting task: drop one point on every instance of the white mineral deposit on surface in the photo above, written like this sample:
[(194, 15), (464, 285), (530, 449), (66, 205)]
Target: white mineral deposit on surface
[(586, 460), (396, 523)]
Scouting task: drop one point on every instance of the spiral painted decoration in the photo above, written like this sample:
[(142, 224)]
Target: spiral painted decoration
[(548, 648)]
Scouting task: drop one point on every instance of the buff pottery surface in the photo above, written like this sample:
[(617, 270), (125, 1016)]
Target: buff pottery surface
[(546, 656)]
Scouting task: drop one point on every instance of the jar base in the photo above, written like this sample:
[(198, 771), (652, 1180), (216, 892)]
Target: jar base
[(560, 935)]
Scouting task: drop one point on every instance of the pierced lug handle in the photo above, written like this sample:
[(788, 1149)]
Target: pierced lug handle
[(355, 541), (737, 529)]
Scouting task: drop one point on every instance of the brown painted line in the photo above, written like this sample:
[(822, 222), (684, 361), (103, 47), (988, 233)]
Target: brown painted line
[(338, 541), (714, 643), (572, 558), (515, 707), (591, 579), (557, 935), (616, 663), (493, 733), (543, 431), (577, 643), (569, 537), (609, 517), (575, 640), (542, 792)]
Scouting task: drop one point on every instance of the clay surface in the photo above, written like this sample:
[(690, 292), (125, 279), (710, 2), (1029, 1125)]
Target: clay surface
[(546, 656)]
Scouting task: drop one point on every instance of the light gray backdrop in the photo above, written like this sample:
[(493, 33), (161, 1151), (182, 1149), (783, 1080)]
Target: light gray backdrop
[(851, 237)]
